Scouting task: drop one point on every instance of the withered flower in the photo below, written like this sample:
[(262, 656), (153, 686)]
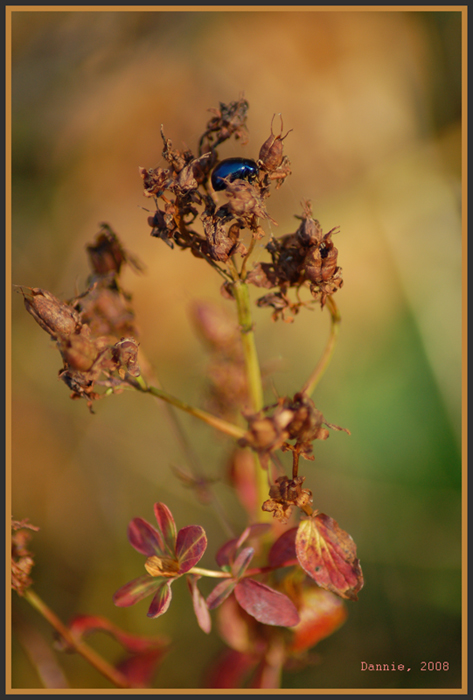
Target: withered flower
[(229, 120), (284, 494), (93, 332), (21, 558), (295, 419), (306, 258), (271, 159)]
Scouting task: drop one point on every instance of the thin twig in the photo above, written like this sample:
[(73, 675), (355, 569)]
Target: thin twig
[(323, 363)]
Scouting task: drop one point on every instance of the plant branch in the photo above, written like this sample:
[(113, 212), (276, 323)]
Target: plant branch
[(218, 423), (114, 676), (323, 363), (253, 373)]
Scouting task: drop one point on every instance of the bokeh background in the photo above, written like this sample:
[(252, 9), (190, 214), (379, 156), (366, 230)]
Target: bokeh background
[(374, 101)]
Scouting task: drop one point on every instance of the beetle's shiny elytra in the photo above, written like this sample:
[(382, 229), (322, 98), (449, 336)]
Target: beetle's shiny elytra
[(232, 169)]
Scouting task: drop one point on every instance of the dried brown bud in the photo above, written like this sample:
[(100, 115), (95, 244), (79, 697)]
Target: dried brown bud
[(310, 231), (106, 255), (21, 558), (245, 200), (229, 120), (271, 152), (55, 317), (284, 494), (155, 180), (125, 355)]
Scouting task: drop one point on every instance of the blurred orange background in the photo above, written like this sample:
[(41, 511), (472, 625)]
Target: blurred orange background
[(374, 101)]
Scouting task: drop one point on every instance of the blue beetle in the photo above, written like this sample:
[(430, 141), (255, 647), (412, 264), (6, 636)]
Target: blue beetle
[(233, 169)]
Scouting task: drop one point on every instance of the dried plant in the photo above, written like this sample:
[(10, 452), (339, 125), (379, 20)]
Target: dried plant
[(279, 588)]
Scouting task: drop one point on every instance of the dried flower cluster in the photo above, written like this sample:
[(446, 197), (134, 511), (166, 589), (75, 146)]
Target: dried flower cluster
[(21, 558), (290, 419), (299, 574), (307, 257), (95, 332)]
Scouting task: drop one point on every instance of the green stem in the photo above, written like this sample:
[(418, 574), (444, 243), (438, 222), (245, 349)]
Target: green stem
[(253, 373), (117, 678), (208, 572), (323, 363), (222, 425), (240, 290)]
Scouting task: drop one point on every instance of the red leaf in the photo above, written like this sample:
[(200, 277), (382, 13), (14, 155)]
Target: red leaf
[(221, 591), (161, 600), (321, 613), (135, 590), (166, 526), (82, 626), (200, 606), (227, 551), (225, 554), (144, 538), (240, 564), (283, 550), (140, 668), (265, 604), (238, 629), (230, 669), (190, 547), (328, 555)]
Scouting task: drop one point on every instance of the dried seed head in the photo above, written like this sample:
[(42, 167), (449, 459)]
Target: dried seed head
[(310, 231), (125, 355), (106, 254), (271, 152), (55, 317), (284, 494), (21, 558)]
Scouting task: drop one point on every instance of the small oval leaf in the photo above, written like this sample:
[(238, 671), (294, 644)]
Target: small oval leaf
[(240, 564), (283, 551), (200, 606), (144, 538), (328, 555), (190, 547), (135, 590), (321, 613), (221, 591), (166, 526), (226, 552), (265, 604), (161, 600)]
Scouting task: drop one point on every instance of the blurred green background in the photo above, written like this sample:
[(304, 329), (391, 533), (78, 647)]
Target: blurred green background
[(374, 101)]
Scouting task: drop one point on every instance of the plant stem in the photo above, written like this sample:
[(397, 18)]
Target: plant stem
[(208, 572), (323, 363), (188, 450), (222, 425), (240, 290), (117, 678), (253, 373)]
